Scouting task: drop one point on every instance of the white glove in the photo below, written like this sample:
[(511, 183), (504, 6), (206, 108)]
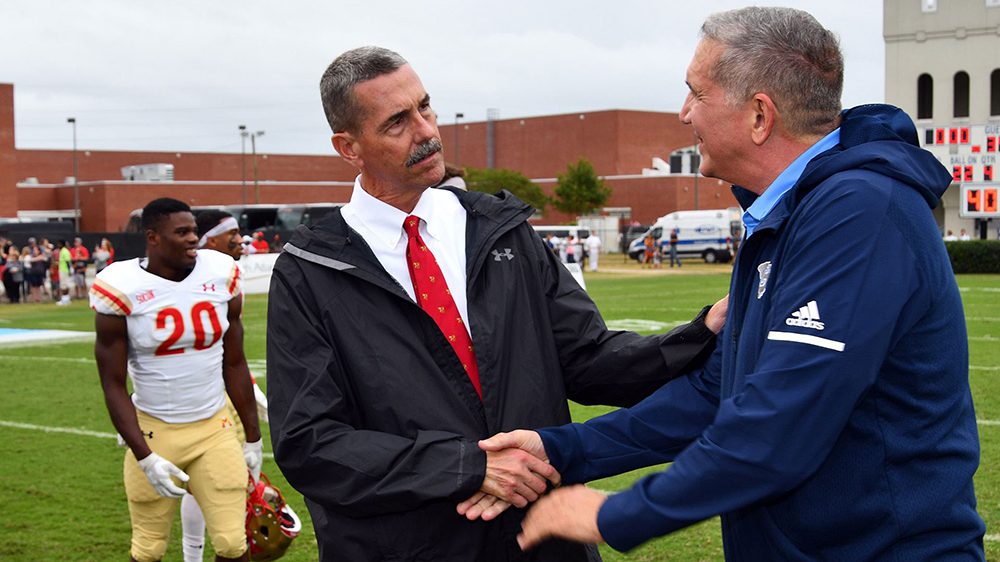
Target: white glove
[(159, 470), (261, 399), (253, 453)]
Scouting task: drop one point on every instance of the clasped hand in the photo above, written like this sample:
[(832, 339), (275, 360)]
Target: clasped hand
[(517, 473)]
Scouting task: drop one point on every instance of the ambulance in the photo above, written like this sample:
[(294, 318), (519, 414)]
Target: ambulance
[(712, 235)]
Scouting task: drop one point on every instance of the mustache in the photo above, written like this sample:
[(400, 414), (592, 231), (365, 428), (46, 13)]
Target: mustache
[(423, 151)]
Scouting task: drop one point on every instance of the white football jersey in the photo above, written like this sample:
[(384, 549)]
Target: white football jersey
[(175, 332)]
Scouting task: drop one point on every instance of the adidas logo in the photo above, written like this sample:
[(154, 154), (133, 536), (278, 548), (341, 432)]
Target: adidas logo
[(806, 317)]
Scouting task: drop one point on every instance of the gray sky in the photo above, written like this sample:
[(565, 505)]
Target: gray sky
[(181, 75)]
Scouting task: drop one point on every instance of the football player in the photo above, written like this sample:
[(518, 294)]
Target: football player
[(219, 231), (171, 321)]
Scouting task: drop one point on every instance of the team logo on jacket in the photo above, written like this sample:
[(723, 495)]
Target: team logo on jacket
[(764, 271), (497, 254), (806, 317)]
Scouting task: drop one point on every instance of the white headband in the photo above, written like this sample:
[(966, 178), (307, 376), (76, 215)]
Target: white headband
[(227, 224)]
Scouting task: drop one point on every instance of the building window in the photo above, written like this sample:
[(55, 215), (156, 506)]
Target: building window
[(925, 97), (995, 92), (961, 94), (928, 6)]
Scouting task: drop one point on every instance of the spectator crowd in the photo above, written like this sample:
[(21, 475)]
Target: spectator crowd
[(43, 271)]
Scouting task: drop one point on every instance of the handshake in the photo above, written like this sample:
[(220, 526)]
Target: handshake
[(517, 473)]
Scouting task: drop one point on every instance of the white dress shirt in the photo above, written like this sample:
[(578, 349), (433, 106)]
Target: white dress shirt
[(442, 228)]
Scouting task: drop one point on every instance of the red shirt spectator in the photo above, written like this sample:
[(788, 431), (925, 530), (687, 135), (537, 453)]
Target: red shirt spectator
[(80, 256), (259, 243)]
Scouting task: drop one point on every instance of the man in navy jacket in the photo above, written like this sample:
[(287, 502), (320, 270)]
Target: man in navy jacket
[(834, 421)]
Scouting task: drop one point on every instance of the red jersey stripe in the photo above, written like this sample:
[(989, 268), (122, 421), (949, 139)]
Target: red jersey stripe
[(112, 298)]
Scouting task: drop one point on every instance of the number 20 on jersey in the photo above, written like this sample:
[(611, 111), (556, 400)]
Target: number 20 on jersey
[(201, 313)]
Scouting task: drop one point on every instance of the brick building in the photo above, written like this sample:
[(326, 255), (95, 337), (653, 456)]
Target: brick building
[(620, 144)]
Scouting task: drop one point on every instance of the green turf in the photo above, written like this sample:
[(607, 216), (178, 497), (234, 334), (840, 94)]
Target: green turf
[(64, 494)]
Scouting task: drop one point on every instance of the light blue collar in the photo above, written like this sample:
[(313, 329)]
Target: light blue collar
[(785, 181)]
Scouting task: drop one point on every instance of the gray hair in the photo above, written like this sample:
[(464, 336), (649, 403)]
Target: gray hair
[(336, 87), (784, 53)]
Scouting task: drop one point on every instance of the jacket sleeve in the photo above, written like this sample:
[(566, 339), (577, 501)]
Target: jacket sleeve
[(845, 255), (653, 431), (615, 368), (357, 472)]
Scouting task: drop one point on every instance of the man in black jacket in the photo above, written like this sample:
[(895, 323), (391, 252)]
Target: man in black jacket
[(413, 322)]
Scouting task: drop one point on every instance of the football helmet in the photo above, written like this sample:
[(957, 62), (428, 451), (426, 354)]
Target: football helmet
[(272, 525)]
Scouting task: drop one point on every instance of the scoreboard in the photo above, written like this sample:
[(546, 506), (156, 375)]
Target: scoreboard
[(979, 201), (970, 153)]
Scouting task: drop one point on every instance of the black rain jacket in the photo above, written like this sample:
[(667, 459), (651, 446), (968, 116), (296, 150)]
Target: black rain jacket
[(374, 420)]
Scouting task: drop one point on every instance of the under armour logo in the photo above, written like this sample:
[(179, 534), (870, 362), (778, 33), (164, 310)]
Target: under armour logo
[(505, 254), (207, 287), (148, 435)]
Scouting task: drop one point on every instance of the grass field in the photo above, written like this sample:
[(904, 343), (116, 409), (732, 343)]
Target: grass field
[(63, 493)]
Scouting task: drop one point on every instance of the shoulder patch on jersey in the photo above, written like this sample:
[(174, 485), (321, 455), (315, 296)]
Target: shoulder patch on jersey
[(110, 296)]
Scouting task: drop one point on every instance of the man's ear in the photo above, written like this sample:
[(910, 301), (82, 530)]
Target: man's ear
[(765, 115), (346, 145)]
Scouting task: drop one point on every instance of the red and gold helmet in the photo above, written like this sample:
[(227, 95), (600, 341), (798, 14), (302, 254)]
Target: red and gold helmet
[(271, 523)]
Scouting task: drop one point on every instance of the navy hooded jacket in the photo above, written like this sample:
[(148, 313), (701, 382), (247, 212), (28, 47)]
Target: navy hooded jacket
[(834, 421)]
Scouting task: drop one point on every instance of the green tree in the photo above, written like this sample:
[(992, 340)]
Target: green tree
[(579, 191), (493, 180)]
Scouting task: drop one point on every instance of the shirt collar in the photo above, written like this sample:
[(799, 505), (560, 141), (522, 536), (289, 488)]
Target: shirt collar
[(430, 208), (787, 179), (386, 222), (383, 220)]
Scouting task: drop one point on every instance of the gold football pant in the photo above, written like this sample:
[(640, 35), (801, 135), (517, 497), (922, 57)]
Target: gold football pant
[(209, 452)]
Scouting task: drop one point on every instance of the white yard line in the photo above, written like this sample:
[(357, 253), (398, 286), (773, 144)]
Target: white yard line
[(983, 368), (50, 429), (991, 538), (70, 430), (44, 358), (257, 368)]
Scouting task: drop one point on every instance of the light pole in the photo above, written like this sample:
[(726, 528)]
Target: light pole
[(76, 186), (253, 148), (457, 117), (243, 161)]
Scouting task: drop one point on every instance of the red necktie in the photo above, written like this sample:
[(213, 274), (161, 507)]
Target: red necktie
[(434, 297)]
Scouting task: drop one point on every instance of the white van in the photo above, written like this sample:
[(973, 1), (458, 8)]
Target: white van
[(707, 234)]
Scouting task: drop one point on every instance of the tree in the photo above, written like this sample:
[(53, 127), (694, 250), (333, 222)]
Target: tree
[(493, 180), (579, 191)]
